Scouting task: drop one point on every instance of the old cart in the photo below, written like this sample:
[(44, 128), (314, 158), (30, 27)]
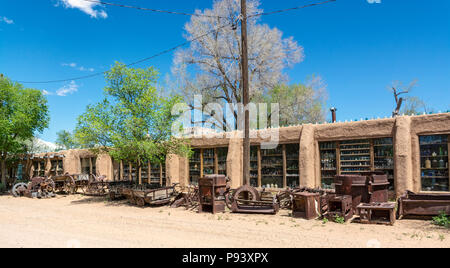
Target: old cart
[(66, 184), (95, 185), (154, 197)]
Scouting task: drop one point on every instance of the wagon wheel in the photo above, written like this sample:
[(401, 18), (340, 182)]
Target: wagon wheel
[(70, 186), (252, 193), (229, 198), (133, 201), (50, 188), (284, 198), (18, 189), (140, 202)]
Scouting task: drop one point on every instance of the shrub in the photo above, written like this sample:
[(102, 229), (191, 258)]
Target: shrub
[(442, 220)]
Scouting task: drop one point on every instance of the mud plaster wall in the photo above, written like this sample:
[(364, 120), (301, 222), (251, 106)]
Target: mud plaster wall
[(404, 130)]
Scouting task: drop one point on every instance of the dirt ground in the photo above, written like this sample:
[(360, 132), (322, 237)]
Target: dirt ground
[(77, 221)]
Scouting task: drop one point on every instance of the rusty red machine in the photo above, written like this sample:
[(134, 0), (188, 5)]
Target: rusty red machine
[(211, 191), (430, 204), (372, 188), (377, 213), (249, 200), (306, 205), (38, 187), (340, 206)]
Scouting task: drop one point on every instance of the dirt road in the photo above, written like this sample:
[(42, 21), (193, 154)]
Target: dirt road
[(77, 221)]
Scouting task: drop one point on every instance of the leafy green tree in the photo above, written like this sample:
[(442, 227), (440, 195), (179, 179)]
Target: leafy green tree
[(133, 123), (66, 140), (23, 113), (298, 103)]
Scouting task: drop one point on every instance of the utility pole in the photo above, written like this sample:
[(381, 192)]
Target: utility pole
[(245, 93)]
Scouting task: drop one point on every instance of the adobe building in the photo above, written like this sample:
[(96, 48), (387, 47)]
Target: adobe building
[(412, 150)]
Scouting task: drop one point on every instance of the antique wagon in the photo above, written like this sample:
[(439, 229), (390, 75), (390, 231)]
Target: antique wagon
[(155, 197)]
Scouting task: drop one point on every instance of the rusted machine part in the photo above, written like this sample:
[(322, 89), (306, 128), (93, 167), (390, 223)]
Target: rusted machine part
[(19, 189), (97, 186), (188, 199), (377, 213), (38, 187), (369, 188), (65, 184), (115, 189), (285, 199), (211, 193), (340, 206), (253, 203), (378, 188), (154, 197), (306, 205), (432, 204)]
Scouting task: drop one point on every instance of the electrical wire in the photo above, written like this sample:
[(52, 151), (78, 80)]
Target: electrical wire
[(173, 48), (150, 9), (290, 9), (130, 64)]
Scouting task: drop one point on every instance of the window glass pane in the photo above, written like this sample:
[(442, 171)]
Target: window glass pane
[(434, 163)]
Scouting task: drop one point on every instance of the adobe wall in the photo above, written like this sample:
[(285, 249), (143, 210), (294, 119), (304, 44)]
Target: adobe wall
[(405, 131), (72, 162)]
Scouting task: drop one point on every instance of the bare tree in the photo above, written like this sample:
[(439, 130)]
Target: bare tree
[(398, 89), (211, 65)]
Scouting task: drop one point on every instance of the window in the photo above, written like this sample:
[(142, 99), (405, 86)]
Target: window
[(88, 166), (434, 160), (276, 168), (355, 157), (195, 167), (56, 167), (207, 162)]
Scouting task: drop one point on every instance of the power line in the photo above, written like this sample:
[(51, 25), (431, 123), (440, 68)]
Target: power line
[(150, 9), (130, 64), (173, 48), (290, 9)]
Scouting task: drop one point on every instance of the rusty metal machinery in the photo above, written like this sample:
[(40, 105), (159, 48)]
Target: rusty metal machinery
[(377, 213), (339, 206), (38, 187), (154, 197), (249, 200), (370, 188), (306, 205), (423, 204), (65, 184), (211, 190), (95, 186), (115, 189), (188, 199)]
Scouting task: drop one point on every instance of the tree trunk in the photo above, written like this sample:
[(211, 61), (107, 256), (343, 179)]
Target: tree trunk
[(3, 168)]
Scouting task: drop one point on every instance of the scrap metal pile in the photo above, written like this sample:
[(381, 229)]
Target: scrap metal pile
[(363, 196), (39, 187)]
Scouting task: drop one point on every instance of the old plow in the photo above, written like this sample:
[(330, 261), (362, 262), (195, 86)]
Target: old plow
[(38, 187)]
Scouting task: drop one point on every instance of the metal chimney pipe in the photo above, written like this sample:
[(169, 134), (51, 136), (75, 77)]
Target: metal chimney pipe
[(333, 114)]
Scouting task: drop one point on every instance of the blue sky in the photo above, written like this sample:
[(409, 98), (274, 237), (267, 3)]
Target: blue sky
[(357, 47)]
